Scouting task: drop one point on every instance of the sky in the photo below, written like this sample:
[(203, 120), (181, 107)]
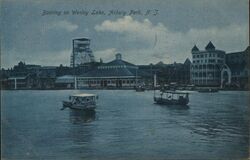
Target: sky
[(41, 31)]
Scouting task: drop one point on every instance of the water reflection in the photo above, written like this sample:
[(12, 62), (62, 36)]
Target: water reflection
[(78, 116), (175, 107), (80, 133)]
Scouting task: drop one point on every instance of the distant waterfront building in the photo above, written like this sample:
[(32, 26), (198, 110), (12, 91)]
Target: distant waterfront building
[(65, 82), (208, 66), (46, 77), (81, 52), (115, 74), (19, 82), (238, 63), (23, 76)]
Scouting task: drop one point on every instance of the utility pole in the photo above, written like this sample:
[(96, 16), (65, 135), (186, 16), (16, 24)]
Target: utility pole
[(74, 70), (15, 83)]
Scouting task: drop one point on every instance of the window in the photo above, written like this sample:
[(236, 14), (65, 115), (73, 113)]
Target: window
[(245, 73), (211, 60), (219, 61), (204, 74)]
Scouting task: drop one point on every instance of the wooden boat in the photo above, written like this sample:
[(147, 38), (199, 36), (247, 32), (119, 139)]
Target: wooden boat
[(172, 98), (84, 101)]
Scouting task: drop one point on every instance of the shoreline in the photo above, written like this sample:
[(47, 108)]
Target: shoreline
[(116, 89)]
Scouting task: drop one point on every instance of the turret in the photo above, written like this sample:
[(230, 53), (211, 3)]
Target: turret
[(210, 46), (195, 49)]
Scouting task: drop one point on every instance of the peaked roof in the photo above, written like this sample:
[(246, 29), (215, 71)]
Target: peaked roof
[(160, 63), (118, 62), (210, 46), (187, 61), (195, 48), (112, 72)]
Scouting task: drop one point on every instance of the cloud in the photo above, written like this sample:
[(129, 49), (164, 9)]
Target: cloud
[(106, 54), (65, 25), (131, 28), (162, 44)]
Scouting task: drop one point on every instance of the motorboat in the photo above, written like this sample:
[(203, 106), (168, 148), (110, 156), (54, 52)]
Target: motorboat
[(82, 101), (139, 89), (172, 98)]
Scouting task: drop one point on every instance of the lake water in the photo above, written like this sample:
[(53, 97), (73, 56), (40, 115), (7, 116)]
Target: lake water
[(126, 125)]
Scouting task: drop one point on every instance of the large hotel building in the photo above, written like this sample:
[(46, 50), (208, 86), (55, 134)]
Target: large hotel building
[(207, 66)]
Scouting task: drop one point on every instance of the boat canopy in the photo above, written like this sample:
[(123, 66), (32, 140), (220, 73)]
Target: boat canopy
[(84, 95), (174, 92)]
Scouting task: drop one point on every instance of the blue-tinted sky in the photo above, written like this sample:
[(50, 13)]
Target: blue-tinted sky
[(168, 36)]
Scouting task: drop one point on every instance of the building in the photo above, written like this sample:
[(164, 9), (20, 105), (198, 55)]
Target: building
[(65, 82), (46, 77), (238, 63), (208, 66), (22, 76), (115, 74), (178, 73), (81, 52), (64, 70), (24, 82)]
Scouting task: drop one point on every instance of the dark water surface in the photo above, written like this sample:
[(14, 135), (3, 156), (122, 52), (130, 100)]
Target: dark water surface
[(126, 125)]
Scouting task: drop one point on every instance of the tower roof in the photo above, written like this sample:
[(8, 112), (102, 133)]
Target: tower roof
[(187, 62), (195, 48), (210, 46)]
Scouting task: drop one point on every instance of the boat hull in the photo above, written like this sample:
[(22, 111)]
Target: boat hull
[(164, 101), (139, 89), (208, 90), (84, 107)]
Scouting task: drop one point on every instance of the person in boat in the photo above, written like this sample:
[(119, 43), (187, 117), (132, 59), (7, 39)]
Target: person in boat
[(169, 97), (181, 97), (161, 95), (76, 101)]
